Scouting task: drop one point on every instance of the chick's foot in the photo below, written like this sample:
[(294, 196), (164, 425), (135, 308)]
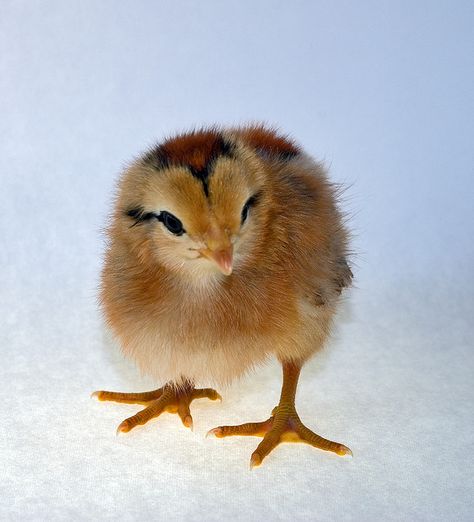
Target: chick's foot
[(170, 398), (284, 425)]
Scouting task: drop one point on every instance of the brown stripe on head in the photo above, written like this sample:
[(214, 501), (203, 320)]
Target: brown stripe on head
[(268, 142), (196, 150)]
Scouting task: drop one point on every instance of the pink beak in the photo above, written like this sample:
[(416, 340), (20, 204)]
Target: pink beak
[(222, 258)]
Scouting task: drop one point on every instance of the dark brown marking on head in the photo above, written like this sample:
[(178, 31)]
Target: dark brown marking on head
[(268, 143), (196, 150)]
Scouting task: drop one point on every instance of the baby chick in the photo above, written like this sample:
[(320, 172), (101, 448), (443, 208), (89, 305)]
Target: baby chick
[(226, 247)]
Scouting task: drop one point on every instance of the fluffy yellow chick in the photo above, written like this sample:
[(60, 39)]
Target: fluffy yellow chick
[(226, 247)]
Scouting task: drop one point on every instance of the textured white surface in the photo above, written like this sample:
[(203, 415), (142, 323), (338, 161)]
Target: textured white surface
[(383, 92)]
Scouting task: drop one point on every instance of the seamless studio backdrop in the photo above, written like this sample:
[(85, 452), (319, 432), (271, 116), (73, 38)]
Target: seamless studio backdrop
[(382, 93)]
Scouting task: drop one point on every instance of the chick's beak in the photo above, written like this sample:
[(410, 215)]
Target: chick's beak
[(222, 258)]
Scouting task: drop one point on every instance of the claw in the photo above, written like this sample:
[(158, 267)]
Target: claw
[(255, 460), (188, 422), (122, 428), (345, 451), (217, 432)]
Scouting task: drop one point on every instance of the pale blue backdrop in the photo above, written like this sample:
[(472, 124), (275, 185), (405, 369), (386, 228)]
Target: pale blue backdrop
[(379, 90)]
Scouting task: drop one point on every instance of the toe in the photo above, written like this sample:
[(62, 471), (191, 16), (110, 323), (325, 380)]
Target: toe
[(143, 416), (317, 441), (253, 429), (269, 442), (206, 393), (185, 414), (128, 398)]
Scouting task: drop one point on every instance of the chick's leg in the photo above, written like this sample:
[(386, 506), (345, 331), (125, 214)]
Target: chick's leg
[(284, 425), (171, 398)]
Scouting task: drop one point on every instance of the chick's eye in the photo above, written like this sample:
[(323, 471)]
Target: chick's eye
[(245, 210), (172, 223)]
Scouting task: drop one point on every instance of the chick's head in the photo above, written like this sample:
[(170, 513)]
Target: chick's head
[(194, 205)]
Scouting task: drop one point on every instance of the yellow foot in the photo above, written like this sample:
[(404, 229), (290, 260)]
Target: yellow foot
[(169, 398), (283, 426)]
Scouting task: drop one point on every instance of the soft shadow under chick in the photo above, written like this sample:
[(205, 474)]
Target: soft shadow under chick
[(226, 246)]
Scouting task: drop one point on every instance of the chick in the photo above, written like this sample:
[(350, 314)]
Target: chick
[(226, 247)]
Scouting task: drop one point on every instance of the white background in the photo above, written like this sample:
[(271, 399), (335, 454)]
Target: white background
[(382, 91)]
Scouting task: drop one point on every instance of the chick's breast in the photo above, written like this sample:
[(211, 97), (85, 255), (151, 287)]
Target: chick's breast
[(225, 246)]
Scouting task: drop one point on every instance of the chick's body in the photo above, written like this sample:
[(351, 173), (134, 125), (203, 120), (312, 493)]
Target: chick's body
[(226, 246)]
